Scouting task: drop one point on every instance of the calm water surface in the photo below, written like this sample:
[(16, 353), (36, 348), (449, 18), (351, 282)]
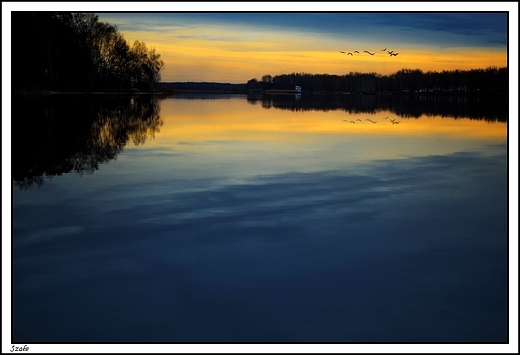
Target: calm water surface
[(267, 219)]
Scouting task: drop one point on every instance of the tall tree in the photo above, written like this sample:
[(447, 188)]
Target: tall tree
[(76, 50)]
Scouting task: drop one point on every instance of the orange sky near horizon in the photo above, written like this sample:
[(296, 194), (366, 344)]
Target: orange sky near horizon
[(199, 60), (237, 47)]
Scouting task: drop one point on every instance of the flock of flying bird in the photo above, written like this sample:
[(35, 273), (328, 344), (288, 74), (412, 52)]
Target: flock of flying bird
[(394, 121), (391, 53)]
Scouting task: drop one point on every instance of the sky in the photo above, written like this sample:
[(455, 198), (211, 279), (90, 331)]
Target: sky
[(236, 42), (235, 47)]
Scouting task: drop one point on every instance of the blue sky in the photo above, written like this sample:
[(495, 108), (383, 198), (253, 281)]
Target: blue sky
[(477, 29)]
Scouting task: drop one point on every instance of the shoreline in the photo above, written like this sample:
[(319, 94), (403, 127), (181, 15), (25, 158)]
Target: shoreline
[(253, 92)]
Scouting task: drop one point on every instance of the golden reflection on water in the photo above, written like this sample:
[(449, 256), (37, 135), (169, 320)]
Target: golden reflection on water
[(236, 120), (233, 137)]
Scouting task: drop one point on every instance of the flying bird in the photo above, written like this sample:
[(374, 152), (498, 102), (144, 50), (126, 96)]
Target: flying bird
[(383, 49), (368, 119), (349, 53), (342, 52), (358, 120), (395, 122), (386, 117), (352, 122), (356, 52), (394, 54), (369, 52)]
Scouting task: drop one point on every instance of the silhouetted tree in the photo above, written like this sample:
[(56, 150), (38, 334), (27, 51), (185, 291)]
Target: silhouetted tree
[(490, 80), (253, 85), (76, 50)]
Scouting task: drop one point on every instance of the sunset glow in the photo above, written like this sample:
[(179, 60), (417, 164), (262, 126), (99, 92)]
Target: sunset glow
[(235, 47), (224, 61), (211, 123)]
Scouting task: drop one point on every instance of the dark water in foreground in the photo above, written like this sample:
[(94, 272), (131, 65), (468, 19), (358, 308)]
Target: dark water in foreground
[(247, 220)]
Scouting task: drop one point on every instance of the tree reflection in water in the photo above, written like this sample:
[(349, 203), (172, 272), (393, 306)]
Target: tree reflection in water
[(74, 133), (61, 134), (482, 107)]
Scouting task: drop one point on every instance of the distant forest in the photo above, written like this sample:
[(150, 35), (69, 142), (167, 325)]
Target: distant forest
[(490, 80), (75, 51), (475, 81)]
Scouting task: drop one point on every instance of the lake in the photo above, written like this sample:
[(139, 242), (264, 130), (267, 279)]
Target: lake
[(260, 219)]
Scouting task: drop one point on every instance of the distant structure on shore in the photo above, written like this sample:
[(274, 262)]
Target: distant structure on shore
[(297, 90), (405, 81)]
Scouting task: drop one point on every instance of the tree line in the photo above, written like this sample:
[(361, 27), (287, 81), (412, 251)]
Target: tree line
[(489, 80), (77, 51)]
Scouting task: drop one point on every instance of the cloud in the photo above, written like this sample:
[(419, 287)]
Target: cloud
[(458, 29), (48, 235)]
